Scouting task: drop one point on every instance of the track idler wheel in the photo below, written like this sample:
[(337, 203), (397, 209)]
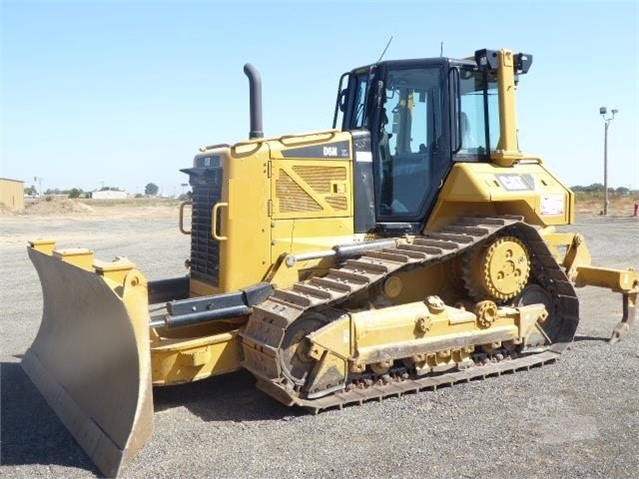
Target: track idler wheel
[(295, 361)]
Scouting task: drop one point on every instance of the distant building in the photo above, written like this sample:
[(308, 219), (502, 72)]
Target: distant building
[(109, 195), (12, 194)]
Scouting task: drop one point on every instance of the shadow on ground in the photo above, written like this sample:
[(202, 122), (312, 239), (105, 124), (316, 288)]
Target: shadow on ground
[(31, 432), (232, 397), (578, 338)]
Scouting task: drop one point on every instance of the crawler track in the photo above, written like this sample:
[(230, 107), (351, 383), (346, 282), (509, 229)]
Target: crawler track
[(398, 387), (269, 321)]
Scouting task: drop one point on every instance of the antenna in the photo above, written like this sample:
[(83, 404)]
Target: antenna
[(441, 49), (387, 45)]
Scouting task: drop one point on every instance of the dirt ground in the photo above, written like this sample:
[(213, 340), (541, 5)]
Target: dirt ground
[(576, 418)]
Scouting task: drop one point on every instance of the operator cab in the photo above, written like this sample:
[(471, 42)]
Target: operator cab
[(416, 118)]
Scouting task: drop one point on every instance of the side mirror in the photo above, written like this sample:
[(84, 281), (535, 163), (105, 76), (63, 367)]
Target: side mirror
[(342, 99)]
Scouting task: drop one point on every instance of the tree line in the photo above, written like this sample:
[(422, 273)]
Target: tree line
[(599, 188)]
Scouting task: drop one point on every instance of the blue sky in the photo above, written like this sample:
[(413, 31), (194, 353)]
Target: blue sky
[(122, 93)]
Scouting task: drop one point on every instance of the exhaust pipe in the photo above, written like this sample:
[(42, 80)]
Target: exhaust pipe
[(255, 101)]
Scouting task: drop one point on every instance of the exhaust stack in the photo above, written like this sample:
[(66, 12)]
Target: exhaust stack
[(255, 101)]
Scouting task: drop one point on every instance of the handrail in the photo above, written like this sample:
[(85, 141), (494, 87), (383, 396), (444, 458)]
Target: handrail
[(212, 147), (181, 221), (214, 213), (325, 136)]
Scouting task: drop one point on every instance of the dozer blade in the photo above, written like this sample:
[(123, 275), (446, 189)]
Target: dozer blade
[(91, 358)]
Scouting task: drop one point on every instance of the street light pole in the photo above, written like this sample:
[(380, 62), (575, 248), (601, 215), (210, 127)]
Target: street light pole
[(603, 111), (606, 168)]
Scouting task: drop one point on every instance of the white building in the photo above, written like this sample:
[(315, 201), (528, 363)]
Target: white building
[(109, 195)]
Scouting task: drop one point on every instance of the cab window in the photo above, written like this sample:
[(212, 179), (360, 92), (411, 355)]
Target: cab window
[(478, 116), (361, 86), (410, 125)]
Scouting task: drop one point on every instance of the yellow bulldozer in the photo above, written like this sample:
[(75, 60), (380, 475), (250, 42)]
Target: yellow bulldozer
[(413, 245)]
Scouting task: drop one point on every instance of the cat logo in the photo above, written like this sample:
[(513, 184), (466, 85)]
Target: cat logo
[(330, 151)]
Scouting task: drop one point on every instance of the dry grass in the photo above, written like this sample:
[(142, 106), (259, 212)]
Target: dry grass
[(592, 205), (132, 202)]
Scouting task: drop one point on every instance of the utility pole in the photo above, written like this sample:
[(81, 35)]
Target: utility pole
[(603, 112)]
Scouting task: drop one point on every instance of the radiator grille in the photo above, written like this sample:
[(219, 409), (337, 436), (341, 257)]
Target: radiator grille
[(292, 196), (319, 177), (337, 202), (205, 251)]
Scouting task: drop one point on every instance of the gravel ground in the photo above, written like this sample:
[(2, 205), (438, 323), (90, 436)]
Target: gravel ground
[(576, 418)]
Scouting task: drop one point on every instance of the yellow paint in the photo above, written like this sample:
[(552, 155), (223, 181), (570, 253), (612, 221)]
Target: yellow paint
[(475, 189), (245, 256), (80, 257), (507, 149), (304, 235), (620, 281), (274, 205), (184, 360), (45, 246), (375, 336)]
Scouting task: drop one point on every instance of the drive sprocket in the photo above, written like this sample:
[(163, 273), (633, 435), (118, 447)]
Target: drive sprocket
[(498, 270)]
